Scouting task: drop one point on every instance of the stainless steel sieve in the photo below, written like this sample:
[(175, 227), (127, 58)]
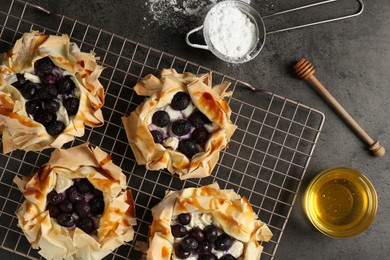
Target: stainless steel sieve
[(258, 21)]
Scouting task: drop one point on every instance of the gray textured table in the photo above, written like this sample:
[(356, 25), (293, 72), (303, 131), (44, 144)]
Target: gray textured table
[(352, 58)]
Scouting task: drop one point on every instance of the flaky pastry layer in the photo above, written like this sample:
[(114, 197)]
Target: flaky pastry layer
[(18, 129), (228, 210), (210, 100), (58, 242)]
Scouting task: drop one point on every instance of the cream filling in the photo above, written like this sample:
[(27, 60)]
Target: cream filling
[(211, 127), (188, 111), (63, 183), (235, 250), (33, 78), (201, 220), (171, 142), (173, 114), (62, 115)]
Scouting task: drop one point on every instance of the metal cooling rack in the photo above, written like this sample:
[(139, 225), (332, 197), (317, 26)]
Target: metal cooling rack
[(266, 160)]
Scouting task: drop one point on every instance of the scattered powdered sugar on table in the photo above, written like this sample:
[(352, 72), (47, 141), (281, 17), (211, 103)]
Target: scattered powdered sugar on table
[(180, 15), (231, 32)]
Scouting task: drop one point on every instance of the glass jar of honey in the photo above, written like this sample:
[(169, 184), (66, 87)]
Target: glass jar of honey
[(340, 202)]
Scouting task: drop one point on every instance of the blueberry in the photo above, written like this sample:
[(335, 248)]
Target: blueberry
[(184, 218), (65, 85), (84, 186), (97, 193), (204, 247), (188, 147), (66, 206), (223, 242), (44, 65), (73, 194), (211, 233), (197, 233), (208, 256), (65, 220), (29, 90), (49, 78), (83, 209), (157, 136), (47, 92), (51, 105), (20, 82), (71, 105), (228, 257), (33, 106), (181, 127), (198, 119), (180, 101), (97, 205), (44, 117), (54, 198), (96, 222), (55, 128), (189, 244), (161, 118), (200, 135), (54, 211), (181, 253), (178, 230), (86, 225)]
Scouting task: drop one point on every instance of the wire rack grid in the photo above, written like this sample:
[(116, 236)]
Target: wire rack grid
[(266, 159)]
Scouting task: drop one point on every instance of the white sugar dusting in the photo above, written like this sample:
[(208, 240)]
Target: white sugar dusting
[(180, 15), (232, 32)]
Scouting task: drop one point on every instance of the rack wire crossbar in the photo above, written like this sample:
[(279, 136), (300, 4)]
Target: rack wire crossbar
[(266, 159)]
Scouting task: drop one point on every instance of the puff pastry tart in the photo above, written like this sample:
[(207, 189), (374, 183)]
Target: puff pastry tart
[(76, 206), (182, 126), (205, 223), (49, 90)]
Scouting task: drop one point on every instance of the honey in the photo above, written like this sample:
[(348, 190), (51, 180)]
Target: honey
[(340, 202)]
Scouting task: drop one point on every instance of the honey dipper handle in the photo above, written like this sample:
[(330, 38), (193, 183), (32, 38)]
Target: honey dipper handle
[(374, 146)]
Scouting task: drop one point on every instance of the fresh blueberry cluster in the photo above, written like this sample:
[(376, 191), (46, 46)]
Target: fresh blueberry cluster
[(198, 242), (191, 131), (80, 205), (44, 99)]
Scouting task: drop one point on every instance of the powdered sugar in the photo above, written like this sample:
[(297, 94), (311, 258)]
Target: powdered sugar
[(231, 32), (180, 15)]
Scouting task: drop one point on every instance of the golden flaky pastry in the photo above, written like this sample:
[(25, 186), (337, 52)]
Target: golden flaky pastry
[(63, 169), (204, 98), (19, 129), (207, 205)]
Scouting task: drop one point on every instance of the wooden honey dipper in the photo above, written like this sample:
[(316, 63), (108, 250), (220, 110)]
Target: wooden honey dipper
[(305, 70)]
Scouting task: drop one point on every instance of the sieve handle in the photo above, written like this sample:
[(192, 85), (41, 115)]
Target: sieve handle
[(358, 12), (195, 45)]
